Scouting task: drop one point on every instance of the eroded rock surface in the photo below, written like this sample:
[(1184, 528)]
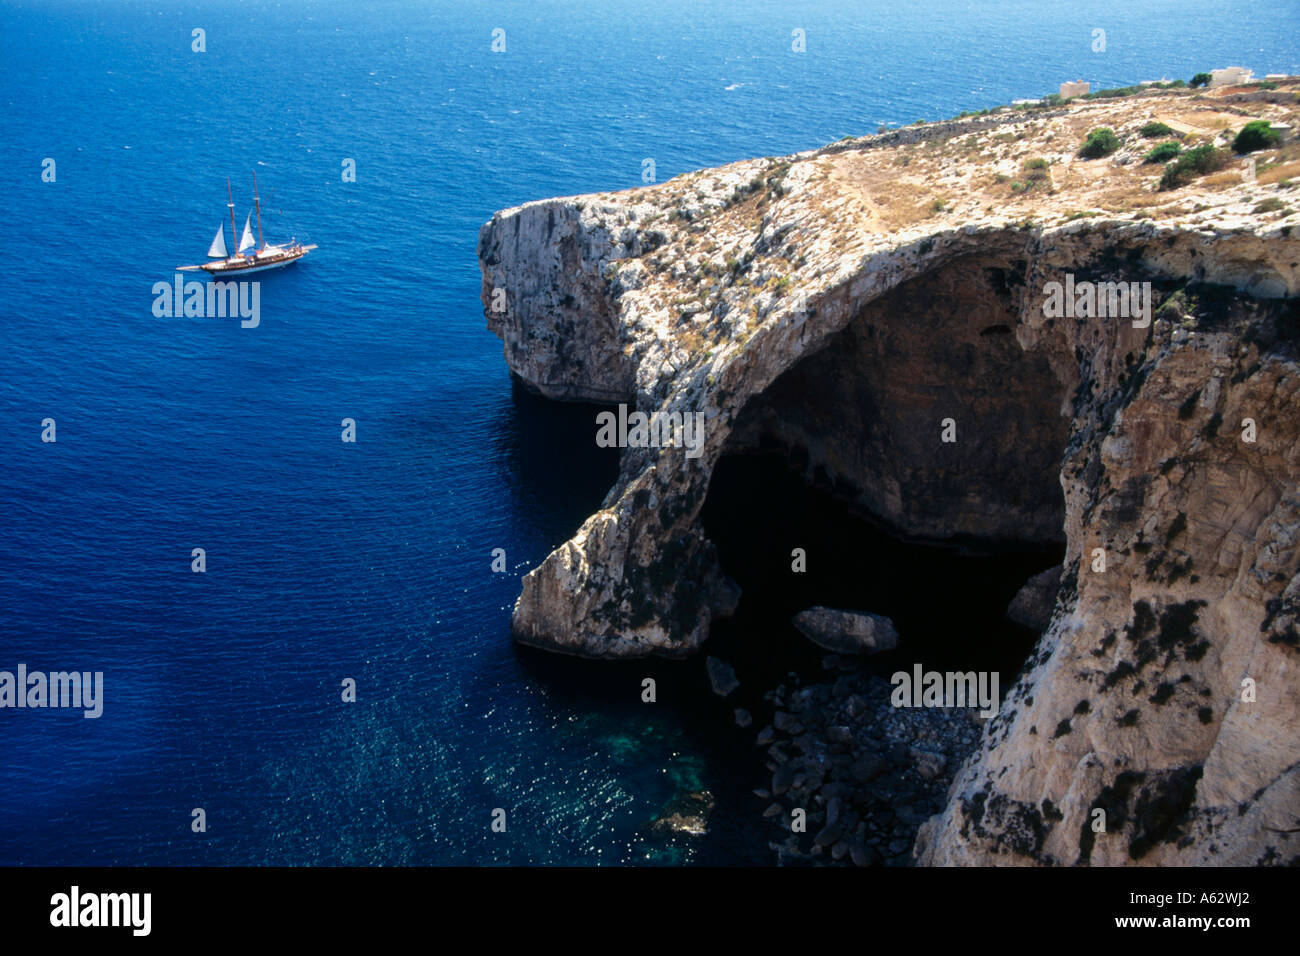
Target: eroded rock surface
[(847, 632), (1033, 604), (857, 306)]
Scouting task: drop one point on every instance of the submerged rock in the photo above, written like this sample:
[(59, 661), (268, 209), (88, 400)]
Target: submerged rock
[(685, 815), (847, 632), (722, 678)]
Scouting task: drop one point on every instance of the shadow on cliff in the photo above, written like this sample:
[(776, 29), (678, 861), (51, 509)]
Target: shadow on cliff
[(948, 603), (552, 466)]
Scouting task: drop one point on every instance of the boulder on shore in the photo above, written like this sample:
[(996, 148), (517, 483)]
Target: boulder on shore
[(1033, 604), (847, 632)]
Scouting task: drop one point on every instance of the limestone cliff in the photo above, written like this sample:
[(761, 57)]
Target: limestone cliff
[(858, 304)]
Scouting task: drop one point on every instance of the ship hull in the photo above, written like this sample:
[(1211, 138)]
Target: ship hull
[(225, 268)]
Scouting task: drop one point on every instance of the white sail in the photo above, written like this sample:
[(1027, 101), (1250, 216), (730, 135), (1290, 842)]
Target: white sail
[(218, 248), (247, 242)]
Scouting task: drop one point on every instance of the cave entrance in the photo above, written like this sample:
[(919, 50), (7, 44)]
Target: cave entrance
[(947, 602), (843, 456)]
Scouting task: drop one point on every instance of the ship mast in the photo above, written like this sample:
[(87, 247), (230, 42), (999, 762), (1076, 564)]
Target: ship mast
[(257, 204), (230, 202)]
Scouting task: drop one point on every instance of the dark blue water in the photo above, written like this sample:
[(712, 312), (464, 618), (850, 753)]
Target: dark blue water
[(371, 560)]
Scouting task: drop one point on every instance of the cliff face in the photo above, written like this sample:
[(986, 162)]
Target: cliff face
[(878, 309)]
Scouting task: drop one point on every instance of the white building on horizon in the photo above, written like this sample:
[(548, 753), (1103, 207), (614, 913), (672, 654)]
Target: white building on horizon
[(1230, 76)]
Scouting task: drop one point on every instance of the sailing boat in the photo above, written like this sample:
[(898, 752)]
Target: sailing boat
[(251, 255)]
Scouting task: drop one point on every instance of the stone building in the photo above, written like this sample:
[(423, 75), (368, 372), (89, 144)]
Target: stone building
[(1230, 76), (1077, 88)]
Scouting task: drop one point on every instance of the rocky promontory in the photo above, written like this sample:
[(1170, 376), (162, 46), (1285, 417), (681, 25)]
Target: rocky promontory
[(882, 309)]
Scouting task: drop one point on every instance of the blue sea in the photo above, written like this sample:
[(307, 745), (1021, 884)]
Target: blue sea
[(328, 560)]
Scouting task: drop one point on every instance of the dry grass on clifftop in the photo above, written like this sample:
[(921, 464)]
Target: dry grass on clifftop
[(736, 237)]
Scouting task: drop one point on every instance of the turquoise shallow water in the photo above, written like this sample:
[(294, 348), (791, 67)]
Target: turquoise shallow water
[(371, 560)]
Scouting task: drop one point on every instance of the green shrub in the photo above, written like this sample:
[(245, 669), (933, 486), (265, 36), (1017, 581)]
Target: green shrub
[(1035, 170), (1268, 85), (1102, 141), (1154, 129), (1200, 79), (1271, 204), (1255, 135), (1112, 93), (1195, 162), (1163, 153), (775, 181)]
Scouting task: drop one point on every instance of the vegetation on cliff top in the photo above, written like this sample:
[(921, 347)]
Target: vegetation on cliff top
[(1256, 135), (1099, 142), (1197, 161)]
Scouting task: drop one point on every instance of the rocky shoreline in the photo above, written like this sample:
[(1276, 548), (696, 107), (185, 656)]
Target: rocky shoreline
[(877, 311), (867, 774)]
